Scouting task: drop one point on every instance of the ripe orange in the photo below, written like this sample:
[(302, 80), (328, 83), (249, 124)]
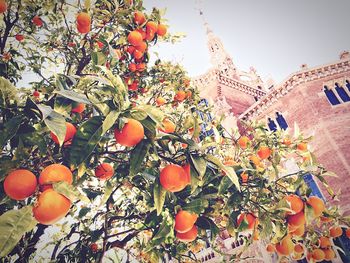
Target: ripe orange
[(296, 204), (139, 18), (151, 27), (270, 248), (36, 93), (142, 47), (184, 221), (255, 159), (287, 141), (187, 169), (244, 177), (149, 35), (302, 146), (70, 132), (298, 248), (20, 184), (79, 108), (243, 142), (188, 236), (264, 152), (104, 171), (173, 178), (141, 67), (130, 49), (160, 101), (51, 207), (180, 96), (249, 218), (3, 6), (94, 247), (132, 67), (326, 219), (138, 54), (297, 219), (55, 173), (169, 126), (317, 205), (83, 19), (318, 255), (19, 37), (83, 29), (286, 246), (347, 232), (133, 86), (131, 134), (135, 38), (143, 33), (297, 231), (335, 231), (37, 21), (329, 254), (324, 242), (162, 29)]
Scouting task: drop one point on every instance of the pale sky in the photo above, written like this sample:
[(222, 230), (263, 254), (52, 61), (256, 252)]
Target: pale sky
[(274, 36)]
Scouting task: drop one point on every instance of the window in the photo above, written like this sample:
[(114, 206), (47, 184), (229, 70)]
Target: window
[(331, 96), (272, 125), (347, 84), (281, 121), (342, 93)]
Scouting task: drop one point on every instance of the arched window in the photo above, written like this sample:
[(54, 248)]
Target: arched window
[(272, 125), (281, 121), (347, 84), (331, 96), (342, 93)]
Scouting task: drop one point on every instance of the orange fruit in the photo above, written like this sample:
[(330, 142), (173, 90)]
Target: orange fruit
[(3, 6), (324, 242), (286, 246), (264, 152), (249, 218), (286, 141), (189, 94), (347, 232), (55, 173), (132, 67), (70, 132), (143, 33), (79, 108), (187, 169), (243, 142), (135, 38), (184, 221), (328, 254), (83, 19), (255, 159), (298, 248), (297, 256), (131, 134), (317, 205), (160, 101), (318, 255), (104, 171), (297, 231), (133, 86), (162, 29), (302, 146), (37, 21), (169, 126), (83, 29), (335, 231), (244, 177), (296, 204), (139, 18), (270, 248), (296, 220), (142, 47), (94, 247), (173, 178), (130, 49), (180, 96), (149, 35), (151, 27), (51, 207), (138, 54), (20, 184), (326, 219), (141, 67), (19, 37), (188, 236), (36, 93)]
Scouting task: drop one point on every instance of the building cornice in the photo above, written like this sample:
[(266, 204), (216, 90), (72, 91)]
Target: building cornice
[(292, 81)]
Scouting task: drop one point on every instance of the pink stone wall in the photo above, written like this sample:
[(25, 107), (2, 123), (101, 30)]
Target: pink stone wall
[(238, 100), (307, 105)]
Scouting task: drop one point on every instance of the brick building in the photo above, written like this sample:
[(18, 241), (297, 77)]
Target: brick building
[(317, 99)]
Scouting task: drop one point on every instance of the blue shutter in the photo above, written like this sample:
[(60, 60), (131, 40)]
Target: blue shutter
[(342, 93), (331, 96)]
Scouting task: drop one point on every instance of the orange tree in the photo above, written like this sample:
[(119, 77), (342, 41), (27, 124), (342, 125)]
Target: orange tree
[(101, 151)]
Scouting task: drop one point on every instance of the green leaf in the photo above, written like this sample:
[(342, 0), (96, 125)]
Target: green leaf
[(159, 197), (13, 225), (109, 121), (230, 172), (200, 164), (10, 129), (74, 96), (154, 113), (138, 114), (206, 223), (164, 233), (85, 140), (225, 184), (70, 192), (108, 191), (57, 124), (196, 206), (83, 211), (137, 156), (98, 58)]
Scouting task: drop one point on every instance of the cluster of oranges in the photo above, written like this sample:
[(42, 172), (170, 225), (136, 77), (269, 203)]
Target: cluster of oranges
[(186, 230)]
